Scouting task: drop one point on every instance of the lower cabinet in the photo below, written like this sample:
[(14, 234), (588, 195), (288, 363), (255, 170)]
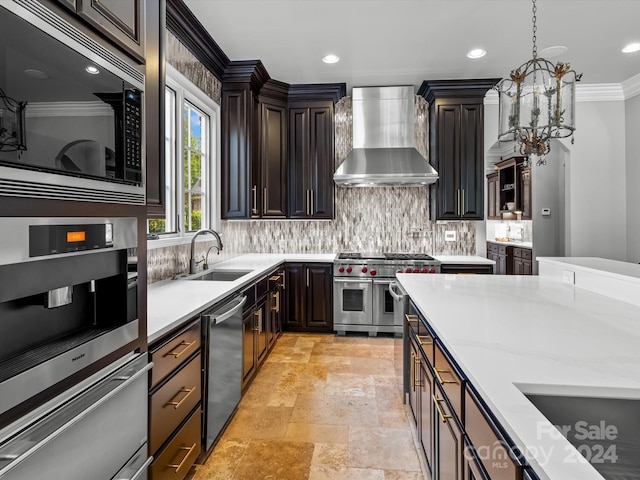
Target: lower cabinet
[(309, 297), (522, 262), (510, 260), (451, 422), (175, 400)]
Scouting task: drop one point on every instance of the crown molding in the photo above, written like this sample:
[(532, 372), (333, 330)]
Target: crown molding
[(596, 92), (631, 87)]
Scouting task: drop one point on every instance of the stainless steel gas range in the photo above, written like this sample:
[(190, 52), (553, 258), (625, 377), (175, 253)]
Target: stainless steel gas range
[(361, 282)]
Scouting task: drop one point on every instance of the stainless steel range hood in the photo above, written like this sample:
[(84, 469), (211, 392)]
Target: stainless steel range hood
[(384, 152)]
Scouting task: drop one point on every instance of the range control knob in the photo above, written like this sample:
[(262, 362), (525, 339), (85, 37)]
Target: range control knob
[(373, 273), (399, 270), (341, 269), (408, 270), (364, 269), (349, 270), (424, 270), (416, 270), (432, 270)]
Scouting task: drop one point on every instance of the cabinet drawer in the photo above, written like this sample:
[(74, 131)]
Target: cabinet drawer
[(502, 249), (481, 433), (517, 252), (449, 380), (492, 247), (420, 335), (526, 253), (172, 402), (262, 286), (171, 354), (175, 460)]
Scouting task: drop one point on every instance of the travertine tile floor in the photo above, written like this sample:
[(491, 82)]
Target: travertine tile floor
[(322, 407)]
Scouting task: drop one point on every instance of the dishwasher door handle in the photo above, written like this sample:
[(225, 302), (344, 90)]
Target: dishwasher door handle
[(217, 318)]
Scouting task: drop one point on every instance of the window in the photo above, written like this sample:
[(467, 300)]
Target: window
[(191, 153)]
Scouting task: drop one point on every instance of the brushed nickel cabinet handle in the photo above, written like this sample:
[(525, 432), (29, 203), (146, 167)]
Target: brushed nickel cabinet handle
[(187, 346), (254, 192), (443, 417), (311, 209), (307, 277), (458, 204), (178, 466), (462, 204), (264, 201), (188, 392)]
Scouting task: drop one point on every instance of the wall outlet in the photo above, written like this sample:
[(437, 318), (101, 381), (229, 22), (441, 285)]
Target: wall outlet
[(450, 236), (569, 277), (546, 212)]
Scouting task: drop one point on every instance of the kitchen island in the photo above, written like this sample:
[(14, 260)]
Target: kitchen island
[(514, 337)]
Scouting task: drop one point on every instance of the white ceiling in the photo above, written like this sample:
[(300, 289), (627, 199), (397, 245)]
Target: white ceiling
[(407, 41)]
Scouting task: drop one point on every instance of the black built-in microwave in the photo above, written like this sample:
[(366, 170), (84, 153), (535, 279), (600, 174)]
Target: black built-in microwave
[(71, 111)]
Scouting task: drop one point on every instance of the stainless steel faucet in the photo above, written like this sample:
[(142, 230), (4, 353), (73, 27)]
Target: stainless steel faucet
[(192, 262)]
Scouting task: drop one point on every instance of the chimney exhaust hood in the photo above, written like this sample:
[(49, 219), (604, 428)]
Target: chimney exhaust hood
[(384, 152)]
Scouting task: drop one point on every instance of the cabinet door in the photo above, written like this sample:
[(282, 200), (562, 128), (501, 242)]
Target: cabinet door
[(493, 210), (448, 439), (295, 281), (426, 414), (237, 116), (321, 158), (262, 331), (120, 20), (527, 267), (472, 467), (502, 264), (517, 266), (319, 298), (448, 194), (471, 162), (299, 164), (273, 160), (525, 193), (248, 346)]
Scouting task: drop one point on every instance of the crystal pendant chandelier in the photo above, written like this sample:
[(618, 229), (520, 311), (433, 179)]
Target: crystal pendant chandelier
[(537, 103)]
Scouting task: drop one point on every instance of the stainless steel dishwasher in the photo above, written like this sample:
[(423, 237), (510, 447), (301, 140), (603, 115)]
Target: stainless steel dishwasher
[(222, 327)]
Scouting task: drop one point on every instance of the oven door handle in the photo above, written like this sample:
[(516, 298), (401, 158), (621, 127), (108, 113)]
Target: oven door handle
[(40, 443), (352, 280), (382, 282), (399, 296)]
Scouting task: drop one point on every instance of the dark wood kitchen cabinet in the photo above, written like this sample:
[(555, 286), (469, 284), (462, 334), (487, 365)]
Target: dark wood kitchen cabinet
[(255, 330), (275, 305), (269, 173), (309, 297), (452, 424), (240, 139), (522, 261), (456, 146), (121, 21), (175, 400), (311, 159), (503, 256), (493, 197)]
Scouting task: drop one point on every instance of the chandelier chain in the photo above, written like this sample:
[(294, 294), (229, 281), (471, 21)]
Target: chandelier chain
[(535, 29)]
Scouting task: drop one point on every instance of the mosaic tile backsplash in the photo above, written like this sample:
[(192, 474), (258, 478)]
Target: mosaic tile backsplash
[(393, 219)]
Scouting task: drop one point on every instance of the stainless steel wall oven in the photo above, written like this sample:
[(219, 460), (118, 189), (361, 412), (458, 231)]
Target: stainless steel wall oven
[(73, 389)]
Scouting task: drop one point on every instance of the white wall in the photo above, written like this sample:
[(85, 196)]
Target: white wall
[(596, 209), (632, 127)]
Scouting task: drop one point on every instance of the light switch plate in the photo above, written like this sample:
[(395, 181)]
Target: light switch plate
[(450, 236), (546, 211)]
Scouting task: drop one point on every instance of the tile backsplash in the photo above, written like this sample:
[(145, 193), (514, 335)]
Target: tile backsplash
[(366, 219)]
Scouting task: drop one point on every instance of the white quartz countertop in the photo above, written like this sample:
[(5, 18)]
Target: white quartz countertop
[(464, 260), (603, 266), (513, 243), (529, 334), (170, 303)]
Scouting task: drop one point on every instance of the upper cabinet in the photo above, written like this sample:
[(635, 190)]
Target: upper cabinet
[(277, 146), (311, 159), (122, 21), (456, 146), (513, 189)]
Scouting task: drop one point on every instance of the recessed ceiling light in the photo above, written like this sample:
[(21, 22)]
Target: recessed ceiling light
[(34, 73), (477, 53), (632, 47), (92, 70), (331, 58), (554, 51)]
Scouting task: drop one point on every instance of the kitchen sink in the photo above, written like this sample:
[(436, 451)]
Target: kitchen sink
[(222, 275), (604, 430)]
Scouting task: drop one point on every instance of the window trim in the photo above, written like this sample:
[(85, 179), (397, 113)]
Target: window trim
[(185, 90)]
